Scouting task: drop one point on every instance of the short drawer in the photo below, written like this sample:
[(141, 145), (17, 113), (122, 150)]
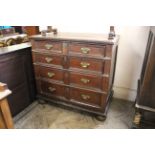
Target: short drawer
[(50, 73), (86, 64), (53, 89), (86, 49), (88, 97), (91, 81), (51, 46), (48, 59)]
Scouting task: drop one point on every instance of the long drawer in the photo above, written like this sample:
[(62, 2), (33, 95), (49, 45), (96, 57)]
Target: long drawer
[(90, 81), (85, 96)]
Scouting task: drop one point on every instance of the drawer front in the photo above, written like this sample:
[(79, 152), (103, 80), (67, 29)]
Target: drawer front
[(86, 64), (91, 81), (51, 46), (51, 73), (53, 89), (48, 59), (86, 96), (86, 49)]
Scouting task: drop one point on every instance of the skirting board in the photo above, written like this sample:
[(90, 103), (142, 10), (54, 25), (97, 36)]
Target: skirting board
[(125, 93)]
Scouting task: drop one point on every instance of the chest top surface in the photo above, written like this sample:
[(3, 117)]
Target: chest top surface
[(84, 37)]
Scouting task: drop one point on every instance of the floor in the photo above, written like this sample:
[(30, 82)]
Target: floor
[(38, 116)]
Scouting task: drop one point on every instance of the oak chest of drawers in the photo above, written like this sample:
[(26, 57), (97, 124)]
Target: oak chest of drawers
[(75, 70)]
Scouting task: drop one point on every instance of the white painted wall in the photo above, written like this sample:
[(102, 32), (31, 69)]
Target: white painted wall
[(133, 40), (131, 52)]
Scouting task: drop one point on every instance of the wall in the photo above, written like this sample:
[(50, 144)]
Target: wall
[(133, 40), (131, 52)]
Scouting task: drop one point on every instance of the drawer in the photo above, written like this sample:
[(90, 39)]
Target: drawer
[(86, 64), (53, 89), (86, 80), (50, 73), (86, 49), (48, 59), (88, 97), (51, 46)]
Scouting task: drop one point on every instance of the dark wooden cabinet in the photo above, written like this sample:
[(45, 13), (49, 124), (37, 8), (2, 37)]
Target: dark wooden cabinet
[(145, 101), (17, 71), (76, 70)]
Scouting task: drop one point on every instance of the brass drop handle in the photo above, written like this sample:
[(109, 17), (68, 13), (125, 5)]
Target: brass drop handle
[(50, 74), (85, 64), (85, 97), (48, 46), (51, 89), (48, 59), (85, 81), (85, 50)]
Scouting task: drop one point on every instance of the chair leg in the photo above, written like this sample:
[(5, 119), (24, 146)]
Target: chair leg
[(6, 114)]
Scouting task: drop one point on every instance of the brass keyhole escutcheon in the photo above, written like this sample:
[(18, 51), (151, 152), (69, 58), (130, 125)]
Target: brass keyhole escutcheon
[(48, 59), (51, 89), (50, 74), (85, 97), (85, 64), (85, 81), (48, 46), (85, 50)]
